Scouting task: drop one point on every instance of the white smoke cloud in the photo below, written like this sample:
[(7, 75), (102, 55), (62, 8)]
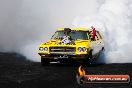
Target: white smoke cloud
[(27, 23), (114, 18)]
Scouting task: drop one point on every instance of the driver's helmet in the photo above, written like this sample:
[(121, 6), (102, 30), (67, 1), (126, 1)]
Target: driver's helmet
[(67, 31)]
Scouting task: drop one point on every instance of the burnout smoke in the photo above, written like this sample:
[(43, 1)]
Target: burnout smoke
[(27, 23), (114, 19)]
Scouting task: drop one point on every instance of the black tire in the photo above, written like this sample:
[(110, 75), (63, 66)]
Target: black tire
[(86, 60), (45, 61), (90, 57)]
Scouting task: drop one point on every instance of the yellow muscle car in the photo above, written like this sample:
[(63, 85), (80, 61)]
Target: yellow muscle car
[(71, 44)]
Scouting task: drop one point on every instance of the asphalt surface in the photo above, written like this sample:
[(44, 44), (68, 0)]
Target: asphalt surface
[(17, 72)]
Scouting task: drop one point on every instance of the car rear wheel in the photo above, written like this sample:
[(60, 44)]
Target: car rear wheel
[(45, 61)]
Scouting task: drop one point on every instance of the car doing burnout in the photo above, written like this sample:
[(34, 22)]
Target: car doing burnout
[(72, 45)]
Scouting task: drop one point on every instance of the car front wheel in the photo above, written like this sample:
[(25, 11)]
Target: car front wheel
[(45, 61)]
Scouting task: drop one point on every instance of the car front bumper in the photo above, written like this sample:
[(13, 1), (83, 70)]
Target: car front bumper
[(64, 57)]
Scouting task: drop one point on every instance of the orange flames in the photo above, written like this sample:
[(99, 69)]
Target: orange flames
[(81, 71)]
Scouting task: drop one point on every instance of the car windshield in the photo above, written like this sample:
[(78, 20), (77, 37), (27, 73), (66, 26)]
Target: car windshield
[(75, 35)]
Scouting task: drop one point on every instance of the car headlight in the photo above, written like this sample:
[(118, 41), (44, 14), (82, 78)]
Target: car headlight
[(82, 49), (79, 49), (43, 49)]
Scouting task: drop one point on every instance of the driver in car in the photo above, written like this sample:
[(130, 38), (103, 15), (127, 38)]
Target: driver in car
[(67, 38)]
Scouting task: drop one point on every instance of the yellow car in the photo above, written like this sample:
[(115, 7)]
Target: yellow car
[(71, 44)]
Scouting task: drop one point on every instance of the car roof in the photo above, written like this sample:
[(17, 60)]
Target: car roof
[(76, 29)]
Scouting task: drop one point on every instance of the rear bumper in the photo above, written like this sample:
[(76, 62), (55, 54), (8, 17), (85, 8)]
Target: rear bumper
[(62, 57)]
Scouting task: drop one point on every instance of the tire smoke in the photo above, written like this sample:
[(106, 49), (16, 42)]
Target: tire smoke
[(114, 19), (27, 23)]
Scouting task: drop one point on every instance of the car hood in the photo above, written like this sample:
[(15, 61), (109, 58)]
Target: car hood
[(74, 43)]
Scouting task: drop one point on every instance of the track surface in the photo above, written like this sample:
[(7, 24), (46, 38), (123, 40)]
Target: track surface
[(17, 72)]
